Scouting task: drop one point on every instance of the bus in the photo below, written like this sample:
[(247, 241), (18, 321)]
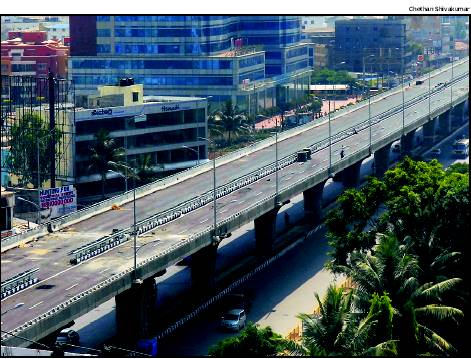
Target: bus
[(461, 148)]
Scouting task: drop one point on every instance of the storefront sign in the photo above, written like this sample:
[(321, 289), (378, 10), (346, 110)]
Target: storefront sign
[(58, 201), (102, 111)]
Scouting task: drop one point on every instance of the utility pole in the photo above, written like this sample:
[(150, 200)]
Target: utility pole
[(52, 126)]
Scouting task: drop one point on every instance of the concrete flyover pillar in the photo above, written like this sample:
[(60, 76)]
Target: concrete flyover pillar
[(351, 175), (203, 269), (313, 203), (381, 160), (444, 123), (265, 230), (430, 133), (407, 143), (134, 309), (457, 116)]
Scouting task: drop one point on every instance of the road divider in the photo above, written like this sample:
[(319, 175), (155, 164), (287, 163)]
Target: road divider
[(18, 282)]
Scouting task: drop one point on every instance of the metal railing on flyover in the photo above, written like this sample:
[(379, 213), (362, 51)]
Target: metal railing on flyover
[(99, 246), (154, 186), (18, 282)]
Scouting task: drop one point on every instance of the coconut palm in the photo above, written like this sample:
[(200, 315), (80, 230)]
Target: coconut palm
[(337, 330), (390, 268), (230, 121), (105, 155)]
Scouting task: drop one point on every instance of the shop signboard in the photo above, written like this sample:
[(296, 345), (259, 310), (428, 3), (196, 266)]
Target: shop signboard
[(58, 201)]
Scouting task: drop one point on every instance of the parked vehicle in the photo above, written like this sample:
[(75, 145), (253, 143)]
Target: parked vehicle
[(461, 148), (419, 82), (68, 336), (396, 147), (234, 319)]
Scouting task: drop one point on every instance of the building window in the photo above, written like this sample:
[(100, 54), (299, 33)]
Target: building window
[(135, 96)]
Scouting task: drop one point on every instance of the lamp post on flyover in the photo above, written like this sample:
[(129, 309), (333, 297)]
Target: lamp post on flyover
[(451, 82), (340, 63), (214, 189), (369, 98), (196, 151), (135, 280), (34, 204), (276, 154)]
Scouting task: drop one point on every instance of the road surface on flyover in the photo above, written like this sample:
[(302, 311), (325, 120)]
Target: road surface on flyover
[(63, 280)]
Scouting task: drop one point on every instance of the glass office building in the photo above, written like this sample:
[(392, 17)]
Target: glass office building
[(256, 61)]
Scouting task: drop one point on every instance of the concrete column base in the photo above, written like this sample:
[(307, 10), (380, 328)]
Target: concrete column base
[(457, 116), (265, 230), (429, 130), (134, 309), (351, 175), (203, 268), (381, 160), (444, 123), (407, 143), (313, 203)]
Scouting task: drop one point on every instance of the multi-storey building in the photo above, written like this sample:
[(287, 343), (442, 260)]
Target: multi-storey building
[(30, 53), (169, 130), (374, 45), (255, 61)]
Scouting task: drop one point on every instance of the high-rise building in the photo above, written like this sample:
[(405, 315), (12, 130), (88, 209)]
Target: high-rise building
[(255, 61), (373, 45)]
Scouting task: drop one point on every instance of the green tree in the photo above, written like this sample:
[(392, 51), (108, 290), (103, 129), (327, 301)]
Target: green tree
[(27, 134), (105, 155), (230, 121), (251, 342), (144, 169), (390, 268)]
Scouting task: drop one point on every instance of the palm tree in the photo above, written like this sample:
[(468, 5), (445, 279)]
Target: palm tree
[(105, 155), (338, 330), (230, 121), (144, 168), (389, 268)]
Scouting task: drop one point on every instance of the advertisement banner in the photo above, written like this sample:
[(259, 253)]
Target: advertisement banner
[(58, 201)]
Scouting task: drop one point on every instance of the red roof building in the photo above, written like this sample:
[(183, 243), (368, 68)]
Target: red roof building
[(29, 53)]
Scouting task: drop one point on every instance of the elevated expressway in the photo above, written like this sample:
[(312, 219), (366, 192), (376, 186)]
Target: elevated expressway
[(65, 291)]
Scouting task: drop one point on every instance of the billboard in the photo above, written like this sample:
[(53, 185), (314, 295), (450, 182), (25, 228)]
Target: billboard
[(58, 201)]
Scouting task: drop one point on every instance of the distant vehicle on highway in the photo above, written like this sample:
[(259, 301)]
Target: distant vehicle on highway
[(461, 148), (419, 82), (234, 319), (436, 152), (68, 336)]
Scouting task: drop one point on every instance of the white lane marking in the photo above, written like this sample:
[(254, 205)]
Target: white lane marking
[(181, 231), (104, 270), (204, 220), (46, 279), (34, 306), (223, 211), (302, 172), (234, 200), (259, 193), (287, 179), (242, 201), (273, 186), (76, 284)]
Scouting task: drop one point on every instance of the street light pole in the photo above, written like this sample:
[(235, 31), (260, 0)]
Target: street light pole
[(276, 154), (330, 145), (403, 96), (34, 204), (429, 92), (196, 151), (451, 82), (135, 280), (214, 190)]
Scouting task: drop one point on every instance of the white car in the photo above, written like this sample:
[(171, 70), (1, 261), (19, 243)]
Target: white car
[(234, 319)]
